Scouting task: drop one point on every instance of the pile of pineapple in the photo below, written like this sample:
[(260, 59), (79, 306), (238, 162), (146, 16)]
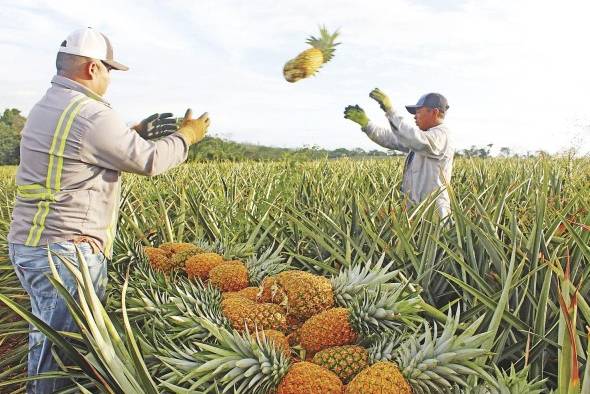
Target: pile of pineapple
[(287, 331)]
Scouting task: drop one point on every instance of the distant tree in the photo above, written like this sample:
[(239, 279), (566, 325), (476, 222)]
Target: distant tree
[(475, 151), (505, 151), (11, 124)]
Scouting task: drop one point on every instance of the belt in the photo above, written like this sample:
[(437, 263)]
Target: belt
[(89, 240)]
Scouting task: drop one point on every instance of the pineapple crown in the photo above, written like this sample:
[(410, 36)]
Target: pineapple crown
[(510, 382), (431, 361), (268, 264), (351, 281), (193, 301), (324, 43), (242, 363), (387, 308)]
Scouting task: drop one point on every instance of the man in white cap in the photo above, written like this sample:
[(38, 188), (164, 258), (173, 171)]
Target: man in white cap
[(73, 149), (429, 162)]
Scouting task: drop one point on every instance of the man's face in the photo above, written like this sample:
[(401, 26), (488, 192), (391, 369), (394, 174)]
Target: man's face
[(101, 77), (104, 79), (426, 118)]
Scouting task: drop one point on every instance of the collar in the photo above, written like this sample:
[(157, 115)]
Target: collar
[(73, 85)]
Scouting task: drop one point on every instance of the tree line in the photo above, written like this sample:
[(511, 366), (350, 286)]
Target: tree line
[(218, 149)]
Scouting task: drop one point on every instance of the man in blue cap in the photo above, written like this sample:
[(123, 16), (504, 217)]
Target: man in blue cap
[(429, 162)]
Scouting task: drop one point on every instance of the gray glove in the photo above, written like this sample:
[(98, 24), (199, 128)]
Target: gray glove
[(156, 126)]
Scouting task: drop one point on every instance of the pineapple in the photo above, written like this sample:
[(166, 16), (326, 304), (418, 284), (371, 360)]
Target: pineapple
[(279, 340), (159, 259), (179, 259), (175, 247), (301, 293), (383, 377), (344, 361), (376, 312), (305, 377), (305, 294), (250, 293), (241, 363), (327, 329), (199, 265), (229, 276), (424, 364), (247, 315), (309, 61), (237, 362)]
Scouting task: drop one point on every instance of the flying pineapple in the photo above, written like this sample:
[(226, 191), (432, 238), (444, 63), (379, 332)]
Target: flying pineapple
[(309, 61)]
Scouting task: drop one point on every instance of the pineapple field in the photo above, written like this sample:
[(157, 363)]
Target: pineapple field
[(313, 277)]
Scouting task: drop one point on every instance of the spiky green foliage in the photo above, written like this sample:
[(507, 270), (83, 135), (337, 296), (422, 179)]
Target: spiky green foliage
[(268, 263), (510, 382), (385, 309), (351, 281), (330, 215), (241, 363), (325, 43), (434, 363), (385, 347)]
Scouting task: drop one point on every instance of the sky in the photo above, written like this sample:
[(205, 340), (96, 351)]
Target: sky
[(516, 73)]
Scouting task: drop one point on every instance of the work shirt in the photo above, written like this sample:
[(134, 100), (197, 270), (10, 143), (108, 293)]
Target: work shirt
[(73, 149), (429, 162)]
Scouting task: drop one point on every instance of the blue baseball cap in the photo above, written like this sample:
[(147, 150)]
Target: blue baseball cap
[(430, 100)]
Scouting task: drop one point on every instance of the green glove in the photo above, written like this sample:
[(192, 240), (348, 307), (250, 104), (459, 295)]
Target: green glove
[(382, 99), (194, 130), (156, 126), (356, 114)]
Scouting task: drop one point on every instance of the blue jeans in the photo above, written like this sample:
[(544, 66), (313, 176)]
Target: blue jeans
[(32, 268)]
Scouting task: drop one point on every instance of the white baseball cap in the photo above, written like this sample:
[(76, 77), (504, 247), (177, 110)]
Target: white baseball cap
[(91, 43)]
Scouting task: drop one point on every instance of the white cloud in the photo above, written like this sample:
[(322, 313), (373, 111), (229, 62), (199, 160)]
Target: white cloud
[(515, 72)]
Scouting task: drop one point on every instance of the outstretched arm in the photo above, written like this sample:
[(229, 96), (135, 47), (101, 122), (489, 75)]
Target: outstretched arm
[(431, 142), (385, 137), (380, 135)]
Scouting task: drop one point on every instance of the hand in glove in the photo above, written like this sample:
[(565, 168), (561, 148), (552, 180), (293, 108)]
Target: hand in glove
[(356, 114), (382, 99), (194, 130), (156, 126)]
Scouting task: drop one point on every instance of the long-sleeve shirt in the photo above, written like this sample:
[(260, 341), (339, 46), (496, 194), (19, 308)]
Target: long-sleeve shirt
[(73, 149), (429, 162)]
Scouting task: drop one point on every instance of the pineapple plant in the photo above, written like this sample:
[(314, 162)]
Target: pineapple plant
[(375, 312), (426, 363), (308, 62), (508, 383)]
